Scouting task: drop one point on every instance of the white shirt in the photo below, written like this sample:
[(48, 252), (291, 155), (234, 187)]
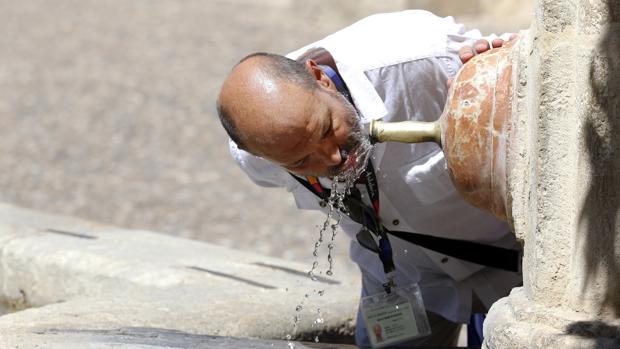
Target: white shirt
[(396, 66)]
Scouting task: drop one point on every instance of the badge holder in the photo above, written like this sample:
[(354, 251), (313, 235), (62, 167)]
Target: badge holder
[(398, 314), (395, 317)]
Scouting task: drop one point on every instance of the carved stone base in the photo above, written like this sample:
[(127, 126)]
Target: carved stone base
[(517, 322)]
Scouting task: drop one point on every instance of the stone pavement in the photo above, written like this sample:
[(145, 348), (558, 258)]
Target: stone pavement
[(69, 282)]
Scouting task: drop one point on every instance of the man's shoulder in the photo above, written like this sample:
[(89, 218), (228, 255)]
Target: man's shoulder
[(388, 38)]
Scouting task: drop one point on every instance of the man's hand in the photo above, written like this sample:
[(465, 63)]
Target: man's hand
[(468, 52)]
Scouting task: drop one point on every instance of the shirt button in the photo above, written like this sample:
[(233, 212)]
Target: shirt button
[(322, 203), (444, 260), (395, 222)]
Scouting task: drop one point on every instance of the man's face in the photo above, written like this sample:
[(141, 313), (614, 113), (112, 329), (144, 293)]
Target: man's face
[(306, 130), (322, 139)]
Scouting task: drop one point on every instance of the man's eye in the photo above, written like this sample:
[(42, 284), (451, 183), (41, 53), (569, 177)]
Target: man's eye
[(300, 163)]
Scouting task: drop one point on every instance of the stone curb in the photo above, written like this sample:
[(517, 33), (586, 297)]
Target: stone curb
[(69, 276)]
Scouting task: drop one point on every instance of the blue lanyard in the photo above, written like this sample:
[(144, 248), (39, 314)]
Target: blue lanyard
[(367, 216), (337, 80)]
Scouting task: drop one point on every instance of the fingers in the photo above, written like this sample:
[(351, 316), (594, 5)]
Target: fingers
[(466, 53), (481, 46), (497, 42)]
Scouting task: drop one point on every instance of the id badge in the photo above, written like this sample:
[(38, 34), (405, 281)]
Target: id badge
[(395, 317)]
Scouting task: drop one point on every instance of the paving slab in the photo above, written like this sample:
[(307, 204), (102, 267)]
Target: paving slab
[(70, 276), (140, 338)]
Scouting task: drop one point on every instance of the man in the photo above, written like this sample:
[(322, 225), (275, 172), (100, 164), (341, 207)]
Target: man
[(306, 118)]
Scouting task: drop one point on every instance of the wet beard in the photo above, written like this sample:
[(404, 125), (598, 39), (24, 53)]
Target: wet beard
[(354, 145)]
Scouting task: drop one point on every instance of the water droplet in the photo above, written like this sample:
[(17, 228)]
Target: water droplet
[(288, 337), (329, 272), (319, 320), (299, 308), (291, 345), (306, 295), (316, 339), (405, 251), (321, 292)]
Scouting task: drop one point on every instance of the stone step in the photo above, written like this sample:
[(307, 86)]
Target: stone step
[(70, 276)]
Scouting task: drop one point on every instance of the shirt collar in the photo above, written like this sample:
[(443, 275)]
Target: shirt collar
[(363, 93)]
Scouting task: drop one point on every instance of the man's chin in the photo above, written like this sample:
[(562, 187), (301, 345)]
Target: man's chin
[(349, 164)]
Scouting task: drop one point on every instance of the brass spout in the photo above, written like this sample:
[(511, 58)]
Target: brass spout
[(405, 131)]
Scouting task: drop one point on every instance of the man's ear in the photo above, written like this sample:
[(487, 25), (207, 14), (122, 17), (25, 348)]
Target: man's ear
[(315, 70)]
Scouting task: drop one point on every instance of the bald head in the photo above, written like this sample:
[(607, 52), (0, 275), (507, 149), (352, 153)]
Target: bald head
[(290, 114), (260, 93)]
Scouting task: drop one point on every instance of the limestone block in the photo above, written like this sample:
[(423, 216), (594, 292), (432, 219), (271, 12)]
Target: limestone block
[(567, 209), (515, 322), (75, 276)]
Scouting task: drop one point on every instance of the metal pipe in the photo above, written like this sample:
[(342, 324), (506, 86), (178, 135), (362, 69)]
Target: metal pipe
[(405, 131)]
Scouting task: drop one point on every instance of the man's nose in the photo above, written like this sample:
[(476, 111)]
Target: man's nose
[(330, 154)]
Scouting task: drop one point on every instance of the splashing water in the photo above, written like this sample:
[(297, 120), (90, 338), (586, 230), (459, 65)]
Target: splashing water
[(291, 345), (341, 186), (319, 319)]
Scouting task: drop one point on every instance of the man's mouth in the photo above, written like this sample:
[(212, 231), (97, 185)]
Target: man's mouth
[(350, 162)]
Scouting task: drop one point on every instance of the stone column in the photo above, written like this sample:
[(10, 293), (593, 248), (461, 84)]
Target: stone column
[(564, 182)]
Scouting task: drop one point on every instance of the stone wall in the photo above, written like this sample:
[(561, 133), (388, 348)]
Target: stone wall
[(566, 189)]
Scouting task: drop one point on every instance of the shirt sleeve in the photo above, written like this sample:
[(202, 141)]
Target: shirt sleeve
[(259, 170)]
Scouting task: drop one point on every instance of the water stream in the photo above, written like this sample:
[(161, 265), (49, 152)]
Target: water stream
[(340, 187)]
